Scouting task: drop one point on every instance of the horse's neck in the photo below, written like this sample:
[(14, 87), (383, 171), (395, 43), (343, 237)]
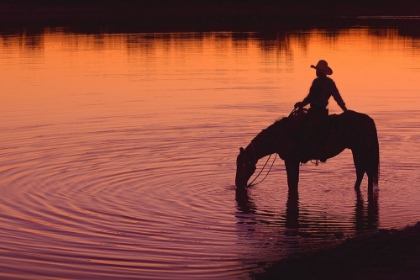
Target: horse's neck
[(259, 149), (266, 142)]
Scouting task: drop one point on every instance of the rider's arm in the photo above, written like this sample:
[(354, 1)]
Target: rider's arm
[(337, 97)]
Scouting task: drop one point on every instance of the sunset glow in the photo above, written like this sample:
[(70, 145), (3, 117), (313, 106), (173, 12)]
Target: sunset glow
[(55, 70), (119, 149)]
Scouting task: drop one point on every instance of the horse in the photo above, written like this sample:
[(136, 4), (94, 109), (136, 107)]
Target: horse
[(348, 130)]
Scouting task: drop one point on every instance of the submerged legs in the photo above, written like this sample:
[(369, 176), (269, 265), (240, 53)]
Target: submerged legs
[(360, 168)]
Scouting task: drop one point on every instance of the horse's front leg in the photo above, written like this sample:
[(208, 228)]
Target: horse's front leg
[(292, 169)]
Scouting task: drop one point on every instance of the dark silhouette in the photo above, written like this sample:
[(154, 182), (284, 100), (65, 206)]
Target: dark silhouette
[(350, 129), (321, 90)]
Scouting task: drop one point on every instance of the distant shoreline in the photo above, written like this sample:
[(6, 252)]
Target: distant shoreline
[(207, 15), (12, 12)]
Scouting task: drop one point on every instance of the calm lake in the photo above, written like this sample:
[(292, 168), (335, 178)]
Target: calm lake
[(117, 154)]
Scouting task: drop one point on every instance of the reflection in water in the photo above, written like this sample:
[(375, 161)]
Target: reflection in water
[(292, 210), (284, 41), (117, 145), (244, 202), (367, 219)]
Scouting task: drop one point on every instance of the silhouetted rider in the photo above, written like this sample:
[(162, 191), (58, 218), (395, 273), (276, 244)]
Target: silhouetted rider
[(321, 90)]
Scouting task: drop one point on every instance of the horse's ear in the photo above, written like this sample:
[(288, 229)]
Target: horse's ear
[(241, 150)]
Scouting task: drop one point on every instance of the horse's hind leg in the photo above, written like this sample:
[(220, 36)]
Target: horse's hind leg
[(360, 165)]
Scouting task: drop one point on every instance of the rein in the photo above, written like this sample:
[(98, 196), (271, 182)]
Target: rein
[(251, 184)]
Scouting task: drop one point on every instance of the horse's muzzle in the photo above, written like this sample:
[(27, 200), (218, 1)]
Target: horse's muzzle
[(240, 181)]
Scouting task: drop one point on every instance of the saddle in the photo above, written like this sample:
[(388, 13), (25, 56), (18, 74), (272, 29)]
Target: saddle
[(310, 131), (297, 116)]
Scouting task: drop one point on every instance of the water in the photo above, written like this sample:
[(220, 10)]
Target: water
[(117, 156)]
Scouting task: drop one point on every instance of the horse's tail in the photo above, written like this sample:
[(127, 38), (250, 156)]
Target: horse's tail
[(373, 159)]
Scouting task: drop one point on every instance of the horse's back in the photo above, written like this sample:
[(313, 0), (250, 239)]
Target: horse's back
[(358, 121), (356, 116)]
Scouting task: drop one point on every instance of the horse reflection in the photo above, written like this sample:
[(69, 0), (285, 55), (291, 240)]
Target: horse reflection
[(292, 210), (367, 219), (244, 203)]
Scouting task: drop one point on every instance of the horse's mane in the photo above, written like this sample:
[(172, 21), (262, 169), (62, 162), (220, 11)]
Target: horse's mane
[(279, 126), (285, 126)]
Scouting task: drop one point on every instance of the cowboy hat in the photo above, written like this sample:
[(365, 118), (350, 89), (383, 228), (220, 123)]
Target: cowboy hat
[(322, 66)]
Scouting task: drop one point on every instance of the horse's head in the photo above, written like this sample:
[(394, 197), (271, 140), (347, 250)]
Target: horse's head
[(245, 167)]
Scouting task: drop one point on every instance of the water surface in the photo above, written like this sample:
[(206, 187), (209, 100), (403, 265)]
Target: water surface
[(117, 156)]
